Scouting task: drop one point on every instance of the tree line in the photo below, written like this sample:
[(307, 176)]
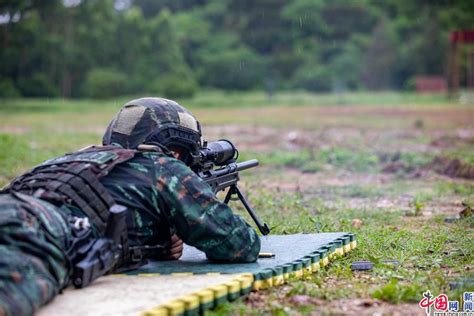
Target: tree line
[(104, 48)]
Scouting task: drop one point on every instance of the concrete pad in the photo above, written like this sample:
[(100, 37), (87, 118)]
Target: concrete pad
[(128, 295), (193, 284)]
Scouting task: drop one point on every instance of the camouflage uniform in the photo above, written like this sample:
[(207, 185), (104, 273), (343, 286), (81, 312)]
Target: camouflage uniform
[(163, 196), (167, 197), (33, 264)]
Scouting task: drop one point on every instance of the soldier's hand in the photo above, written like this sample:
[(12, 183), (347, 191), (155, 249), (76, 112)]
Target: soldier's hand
[(175, 250)]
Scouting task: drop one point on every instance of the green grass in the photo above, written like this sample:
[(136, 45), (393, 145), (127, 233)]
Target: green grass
[(424, 249), (360, 160), (465, 154), (221, 99), (285, 109), (340, 179), (464, 190)]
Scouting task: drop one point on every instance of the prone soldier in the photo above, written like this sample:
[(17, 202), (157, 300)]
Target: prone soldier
[(109, 208)]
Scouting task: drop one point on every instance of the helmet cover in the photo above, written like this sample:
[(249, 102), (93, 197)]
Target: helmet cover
[(154, 120)]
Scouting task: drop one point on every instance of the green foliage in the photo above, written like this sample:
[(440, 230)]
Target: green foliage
[(105, 83), (232, 69), (192, 33), (168, 72), (409, 84), (417, 206), (394, 292), (318, 45), (341, 157), (38, 85), (465, 154), (8, 89), (313, 78), (380, 58), (176, 87), (414, 159)]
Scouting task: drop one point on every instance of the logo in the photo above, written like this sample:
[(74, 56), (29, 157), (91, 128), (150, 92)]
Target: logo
[(441, 305)]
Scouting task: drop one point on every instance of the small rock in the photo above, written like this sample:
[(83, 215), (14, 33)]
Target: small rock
[(292, 136), (301, 299), (367, 265)]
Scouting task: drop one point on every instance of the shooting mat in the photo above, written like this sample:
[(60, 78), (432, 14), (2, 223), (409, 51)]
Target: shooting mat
[(193, 284)]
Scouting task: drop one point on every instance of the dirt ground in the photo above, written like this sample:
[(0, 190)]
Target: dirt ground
[(435, 135), (365, 306)]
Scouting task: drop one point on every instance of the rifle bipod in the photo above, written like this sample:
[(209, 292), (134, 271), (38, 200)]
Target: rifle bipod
[(233, 189)]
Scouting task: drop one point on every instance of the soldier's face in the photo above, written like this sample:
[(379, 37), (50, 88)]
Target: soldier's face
[(176, 154), (180, 153)]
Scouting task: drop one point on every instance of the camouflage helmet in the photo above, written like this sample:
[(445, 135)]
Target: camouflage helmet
[(155, 121)]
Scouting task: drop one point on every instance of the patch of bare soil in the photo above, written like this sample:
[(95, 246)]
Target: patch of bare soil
[(255, 138), (366, 307), (295, 180), (315, 306), (20, 130), (449, 206), (389, 145), (12, 129), (324, 185), (267, 139), (454, 168), (449, 140), (460, 116)]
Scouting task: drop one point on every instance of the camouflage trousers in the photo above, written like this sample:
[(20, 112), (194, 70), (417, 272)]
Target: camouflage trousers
[(33, 263)]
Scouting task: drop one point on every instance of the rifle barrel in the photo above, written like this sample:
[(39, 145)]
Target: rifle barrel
[(247, 164), (231, 168)]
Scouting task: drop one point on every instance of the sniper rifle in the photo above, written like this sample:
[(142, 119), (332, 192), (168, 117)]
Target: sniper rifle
[(218, 167)]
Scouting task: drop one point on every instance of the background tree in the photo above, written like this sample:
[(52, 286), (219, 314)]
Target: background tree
[(91, 48)]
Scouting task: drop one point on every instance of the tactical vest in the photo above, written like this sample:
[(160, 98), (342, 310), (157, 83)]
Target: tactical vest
[(74, 179)]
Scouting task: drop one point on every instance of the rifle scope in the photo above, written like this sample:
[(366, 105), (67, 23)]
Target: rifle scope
[(220, 152)]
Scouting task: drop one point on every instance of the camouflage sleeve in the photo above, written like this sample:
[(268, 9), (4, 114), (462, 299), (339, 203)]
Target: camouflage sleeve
[(200, 219)]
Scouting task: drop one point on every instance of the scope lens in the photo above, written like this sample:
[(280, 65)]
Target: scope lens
[(221, 151)]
